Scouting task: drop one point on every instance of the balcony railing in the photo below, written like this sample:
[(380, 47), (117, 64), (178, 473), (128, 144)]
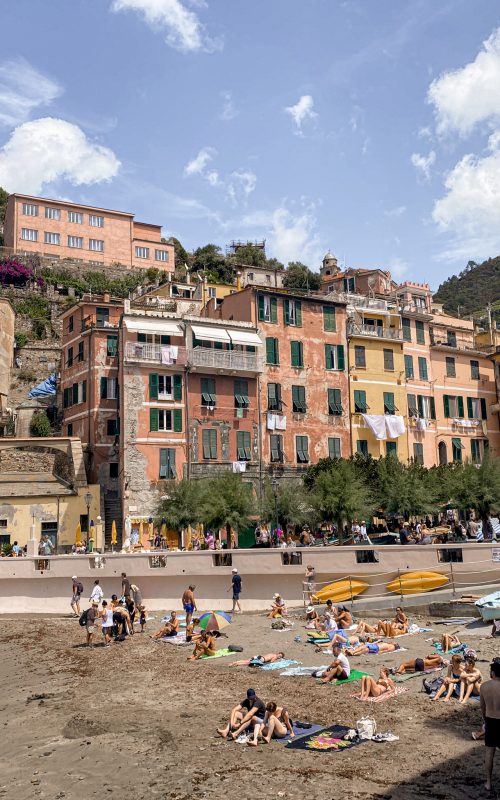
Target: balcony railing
[(460, 343), (93, 321), (361, 301), (224, 359), (158, 353), (378, 331)]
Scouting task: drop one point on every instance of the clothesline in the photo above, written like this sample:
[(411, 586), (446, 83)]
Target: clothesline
[(385, 426)]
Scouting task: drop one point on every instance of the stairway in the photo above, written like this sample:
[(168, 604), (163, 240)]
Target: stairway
[(112, 511)]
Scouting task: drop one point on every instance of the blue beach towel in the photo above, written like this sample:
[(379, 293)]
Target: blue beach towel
[(280, 664)]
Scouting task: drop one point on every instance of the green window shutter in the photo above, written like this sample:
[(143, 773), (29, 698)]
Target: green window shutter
[(163, 463), (270, 350), (177, 387), (153, 386), (409, 366), (470, 410), (362, 447), (271, 395), (177, 412), (298, 313), (84, 391), (460, 406), (446, 406), (484, 413), (171, 463), (329, 360), (340, 357), (389, 407), (260, 301), (104, 388), (65, 398), (432, 407), (360, 401), (274, 309), (329, 320), (334, 447), (153, 419), (295, 354), (286, 310), (422, 368), (405, 322), (412, 405), (420, 406)]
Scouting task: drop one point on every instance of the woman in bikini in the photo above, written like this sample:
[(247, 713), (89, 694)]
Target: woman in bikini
[(449, 641), (258, 661), (372, 688), (452, 679), (204, 647), (277, 723), (312, 617), (470, 681), (373, 647)]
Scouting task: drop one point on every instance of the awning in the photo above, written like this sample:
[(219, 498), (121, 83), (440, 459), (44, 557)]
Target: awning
[(160, 326), (207, 334), (245, 337)]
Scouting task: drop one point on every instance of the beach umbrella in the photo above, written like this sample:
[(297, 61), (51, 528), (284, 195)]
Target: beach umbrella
[(78, 537), (113, 533), (214, 620)]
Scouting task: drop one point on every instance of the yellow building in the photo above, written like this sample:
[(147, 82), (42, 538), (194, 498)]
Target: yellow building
[(376, 378)]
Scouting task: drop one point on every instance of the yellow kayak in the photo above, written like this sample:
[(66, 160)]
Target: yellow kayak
[(417, 582), (340, 591)]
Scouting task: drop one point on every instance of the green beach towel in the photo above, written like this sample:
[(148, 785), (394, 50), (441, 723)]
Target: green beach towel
[(219, 654), (355, 675)]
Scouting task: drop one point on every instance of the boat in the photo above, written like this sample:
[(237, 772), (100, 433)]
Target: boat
[(489, 606), (417, 582), (340, 591)]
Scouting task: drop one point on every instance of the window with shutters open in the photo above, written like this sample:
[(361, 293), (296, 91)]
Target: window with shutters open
[(241, 399), (412, 405), (334, 356), (360, 406), (292, 310), (302, 449), (243, 445), (420, 331), (208, 395), (112, 346), (296, 354), (267, 308), (457, 447), (389, 404), (409, 367), (334, 402), (274, 402), (276, 447), (209, 443), (167, 463), (362, 447), (165, 387), (453, 406), (69, 357), (299, 399), (418, 453)]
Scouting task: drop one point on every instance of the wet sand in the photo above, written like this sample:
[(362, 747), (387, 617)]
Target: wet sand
[(138, 721)]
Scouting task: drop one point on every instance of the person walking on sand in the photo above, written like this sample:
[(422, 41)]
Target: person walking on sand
[(236, 587), (189, 603), (125, 585), (76, 593), (90, 623), (490, 709), (97, 593)]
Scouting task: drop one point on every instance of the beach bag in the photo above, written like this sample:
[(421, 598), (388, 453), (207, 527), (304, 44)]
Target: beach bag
[(366, 727), (431, 685), (235, 648), (83, 618)]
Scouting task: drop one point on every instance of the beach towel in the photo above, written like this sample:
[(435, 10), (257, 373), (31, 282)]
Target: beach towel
[(179, 639), (408, 675), (219, 654), (322, 635), (302, 672), (355, 675), (385, 696), (326, 740), (454, 650), (280, 664), (298, 731)]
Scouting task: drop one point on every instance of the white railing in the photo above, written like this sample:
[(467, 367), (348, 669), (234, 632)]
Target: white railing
[(224, 359), (162, 354), (362, 301), (358, 329)]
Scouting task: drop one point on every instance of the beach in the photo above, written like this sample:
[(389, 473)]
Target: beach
[(137, 720)]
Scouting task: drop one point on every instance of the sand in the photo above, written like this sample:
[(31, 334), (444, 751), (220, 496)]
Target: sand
[(136, 720)]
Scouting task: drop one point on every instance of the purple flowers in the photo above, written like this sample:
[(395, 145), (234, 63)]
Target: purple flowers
[(13, 273)]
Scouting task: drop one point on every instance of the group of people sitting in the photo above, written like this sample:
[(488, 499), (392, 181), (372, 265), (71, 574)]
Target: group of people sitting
[(463, 679), (262, 721), (204, 641)]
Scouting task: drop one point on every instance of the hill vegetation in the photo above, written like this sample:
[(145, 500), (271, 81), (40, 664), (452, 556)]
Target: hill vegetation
[(472, 289)]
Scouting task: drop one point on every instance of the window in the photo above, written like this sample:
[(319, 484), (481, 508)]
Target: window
[(453, 406), (164, 420), (276, 447), (412, 406), (75, 216), (272, 351), (426, 407), (274, 397), (241, 399), (391, 448), (161, 255), (334, 356), (112, 346), (292, 312), (420, 331), (208, 395), (418, 453), (456, 448), (451, 554), (75, 241), (71, 324), (389, 405), (52, 238), (212, 292), (334, 447), (422, 369), (142, 252), (161, 419), (450, 367), (362, 447), (153, 338), (359, 356), (409, 373), (389, 359), (451, 338), (442, 453), (97, 245), (70, 429), (476, 408), (52, 213), (166, 387), (477, 448), (296, 354), (69, 357), (329, 320), (81, 351), (101, 316), (112, 427), (334, 402), (30, 210), (367, 557), (268, 308), (349, 284), (405, 322), (243, 445), (77, 393), (299, 399), (360, 406), (96, 221), (301, 449), (113, 469), (109, 389), (167, 463), (474, 370), (29, 235), (209, 443)]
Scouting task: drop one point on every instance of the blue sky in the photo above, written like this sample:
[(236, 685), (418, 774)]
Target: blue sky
[(371, 128)]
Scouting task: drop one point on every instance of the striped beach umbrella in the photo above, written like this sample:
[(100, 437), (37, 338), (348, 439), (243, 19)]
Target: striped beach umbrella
[(214, 620)]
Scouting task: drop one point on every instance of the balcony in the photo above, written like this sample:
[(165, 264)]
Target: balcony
[(361, 301), (374, 331), (440, 341), (155, 353), (208, 359), (93, 321)]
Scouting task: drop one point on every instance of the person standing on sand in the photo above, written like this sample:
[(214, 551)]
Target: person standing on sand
[(236, 587), (490, 709), (125, 585), (90, 624), (76, 593), (189, 603), (97, 593)]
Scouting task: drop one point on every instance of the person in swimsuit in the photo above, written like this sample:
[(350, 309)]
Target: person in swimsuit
[(343, 617), (312, 617), (276, 723), (373, 648), (204, 647), (107, 623), (431, 661), (278, 608), (449, 641), (191, 636), (171, 627), (258, 661), (452, 679), (189, 603), (365, 627), (390, 629), (400, 617), (470, 681), (372, 688)]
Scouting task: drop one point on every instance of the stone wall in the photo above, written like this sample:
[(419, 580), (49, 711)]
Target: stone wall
[(27, 461)]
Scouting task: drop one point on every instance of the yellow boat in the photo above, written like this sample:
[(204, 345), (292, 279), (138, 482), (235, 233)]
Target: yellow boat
[(340, 591), (417, 582)]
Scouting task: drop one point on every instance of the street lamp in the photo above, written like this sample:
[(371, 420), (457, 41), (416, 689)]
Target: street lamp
[(275, 486), (88, 501)]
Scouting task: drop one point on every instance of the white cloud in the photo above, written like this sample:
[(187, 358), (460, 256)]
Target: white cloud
[(423, 164), (181, 27), (398, 268), (243, 180), (213, 177), (228, 112), (470, 95), (198, 164), (23, 89), (425, 133), (48, 149), (395, 212), (301, 112), (291, 234), (470, 210)]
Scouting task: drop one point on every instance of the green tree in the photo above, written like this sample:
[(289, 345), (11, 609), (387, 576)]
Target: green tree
[(4, 196), (250, 256), (230, 503), (183, 505), (293, 504), (181, 254), (213, 262), (40, 425), (478, 487), (339, 495), (404, 489), (298, 276)]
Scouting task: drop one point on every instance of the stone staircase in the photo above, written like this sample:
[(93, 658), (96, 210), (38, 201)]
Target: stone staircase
[(112, 511)]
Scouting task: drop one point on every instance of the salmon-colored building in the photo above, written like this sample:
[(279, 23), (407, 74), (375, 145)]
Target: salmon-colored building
[(60, 229)]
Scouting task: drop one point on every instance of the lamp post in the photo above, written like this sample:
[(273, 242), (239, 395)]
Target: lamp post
[(275, 486), (88, 502)]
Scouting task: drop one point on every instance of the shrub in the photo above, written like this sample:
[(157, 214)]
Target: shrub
[(38, 328), (35, 306), (26, 376), (21, 340), (15, 273), (40, 425)]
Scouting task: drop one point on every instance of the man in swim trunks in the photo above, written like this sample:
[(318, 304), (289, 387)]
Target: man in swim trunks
[(373, 648), (339, 668), (432, 661), (490, 708), (189, 603), (258, 661)]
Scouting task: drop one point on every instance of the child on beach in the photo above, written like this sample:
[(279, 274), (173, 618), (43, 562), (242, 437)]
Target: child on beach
[(142, 617)]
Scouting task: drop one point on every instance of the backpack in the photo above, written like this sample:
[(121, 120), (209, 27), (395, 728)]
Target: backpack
[(83, 618), (235, 648), (366, 727), (79, 587), (431, 685)]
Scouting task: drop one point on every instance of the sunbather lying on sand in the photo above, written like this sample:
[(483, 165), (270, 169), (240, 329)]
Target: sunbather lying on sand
[(277, 723), (204, 647), (258, 661), (449, 641), (372, 688), (452, 679), (432, 661), (384, 627), (470, 681), (373, 647)]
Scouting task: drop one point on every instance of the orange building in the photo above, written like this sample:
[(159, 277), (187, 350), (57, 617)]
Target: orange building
[(59, 229)]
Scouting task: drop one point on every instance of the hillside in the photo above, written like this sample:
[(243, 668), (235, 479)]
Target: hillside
[(472, 289)]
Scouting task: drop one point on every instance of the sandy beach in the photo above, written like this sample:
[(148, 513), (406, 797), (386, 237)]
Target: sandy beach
[(136, 720)]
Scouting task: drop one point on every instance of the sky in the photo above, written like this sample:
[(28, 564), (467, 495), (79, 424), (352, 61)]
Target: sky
[(371, 129)]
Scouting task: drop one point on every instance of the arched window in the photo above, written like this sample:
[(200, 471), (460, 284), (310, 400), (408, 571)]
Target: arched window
[(443, 455)]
